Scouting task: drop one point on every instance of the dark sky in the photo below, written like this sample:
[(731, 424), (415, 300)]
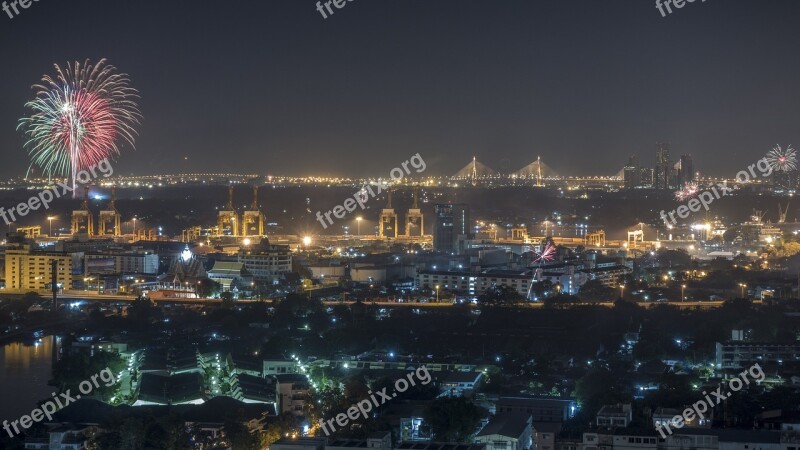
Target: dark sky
[(270, 87)]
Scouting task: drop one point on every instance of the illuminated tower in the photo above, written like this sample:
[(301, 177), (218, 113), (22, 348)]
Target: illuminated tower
[(82, 220), (663, 166), (474, 171), (252, 219), (539, 171), (110, 219), (414, 218), (387, 224), (227, 218)]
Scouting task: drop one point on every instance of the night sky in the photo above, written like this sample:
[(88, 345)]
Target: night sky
[(270, 87)]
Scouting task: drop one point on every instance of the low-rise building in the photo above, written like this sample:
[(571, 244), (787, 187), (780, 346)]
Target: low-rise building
[(62, 437), (739, 355), (294, 393), (546, 409), (458, 384), (507, 431), (619, 415), (475, 283)]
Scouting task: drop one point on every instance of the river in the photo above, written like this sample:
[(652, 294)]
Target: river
[(25, 369)]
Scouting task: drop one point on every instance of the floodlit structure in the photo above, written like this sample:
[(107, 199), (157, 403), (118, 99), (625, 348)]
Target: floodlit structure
[(82, 220), (110, 219), (227, 218), (414, 219), (387, 223), (252, 219)]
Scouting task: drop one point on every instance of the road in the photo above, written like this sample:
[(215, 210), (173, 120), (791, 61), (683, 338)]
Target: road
[(194, 301)]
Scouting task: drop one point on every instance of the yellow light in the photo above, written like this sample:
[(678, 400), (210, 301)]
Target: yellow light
[(246, 241), (307, 240)]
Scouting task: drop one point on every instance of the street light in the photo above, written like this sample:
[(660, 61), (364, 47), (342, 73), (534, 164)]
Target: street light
[(358, 225), (622, 291), (683, 286), (134, 227), (437, 293), (742, 285), (50, 219)]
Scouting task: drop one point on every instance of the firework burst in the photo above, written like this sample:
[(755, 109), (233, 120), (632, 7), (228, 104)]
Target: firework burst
[(547, 254), (782, 160), (690, 190), (79, 117)]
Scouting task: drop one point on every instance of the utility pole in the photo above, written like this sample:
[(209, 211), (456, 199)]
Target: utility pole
[(54, 282)]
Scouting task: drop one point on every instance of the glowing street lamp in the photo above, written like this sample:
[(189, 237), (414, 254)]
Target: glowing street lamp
[(622, 291), (437, 293), (134, 227), (358, 225), (50, 219), (683, 286), (307, 241), (742, 285)]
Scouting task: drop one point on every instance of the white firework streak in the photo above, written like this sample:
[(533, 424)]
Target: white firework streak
[(690, 190), (782, 160), (547, 254)]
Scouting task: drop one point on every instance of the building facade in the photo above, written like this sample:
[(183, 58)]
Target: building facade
[(451, 221), (266, 262), (28, 270)]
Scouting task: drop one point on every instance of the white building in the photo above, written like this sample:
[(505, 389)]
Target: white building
[(266, 262), (475, 283), (62, 437), (507, 431)]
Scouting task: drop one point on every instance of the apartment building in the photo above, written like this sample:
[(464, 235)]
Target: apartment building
[(28, 270)]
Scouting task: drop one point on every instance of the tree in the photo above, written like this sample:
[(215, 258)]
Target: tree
[(227, 300), (452, 419), (71, 370), (500, 296), (208, 288), (239, 437), (32, 297), (788, 249), (595, 291), (142, 311)]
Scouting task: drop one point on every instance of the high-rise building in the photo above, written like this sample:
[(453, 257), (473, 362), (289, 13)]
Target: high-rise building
[(451, 222), (686, 170), (663, 166), (646, 177), (633, 173)]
